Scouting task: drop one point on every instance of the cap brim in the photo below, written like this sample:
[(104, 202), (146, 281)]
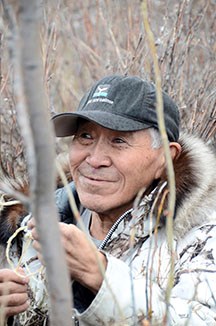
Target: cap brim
[(65, 124)]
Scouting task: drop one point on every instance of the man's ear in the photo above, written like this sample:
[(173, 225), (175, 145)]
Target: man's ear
[(175, 150)]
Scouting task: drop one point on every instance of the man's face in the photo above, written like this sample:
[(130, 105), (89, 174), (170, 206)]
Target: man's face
[(110, 167)]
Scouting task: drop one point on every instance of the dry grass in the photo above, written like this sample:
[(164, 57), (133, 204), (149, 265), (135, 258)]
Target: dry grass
[(83, 41)]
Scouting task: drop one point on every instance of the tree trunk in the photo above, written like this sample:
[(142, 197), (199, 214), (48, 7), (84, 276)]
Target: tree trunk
[(41, 166)]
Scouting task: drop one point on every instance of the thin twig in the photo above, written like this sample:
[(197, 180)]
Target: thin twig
[(162, 128)]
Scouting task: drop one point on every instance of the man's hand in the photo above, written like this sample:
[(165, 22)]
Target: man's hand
[(82, 257), (13, 292)]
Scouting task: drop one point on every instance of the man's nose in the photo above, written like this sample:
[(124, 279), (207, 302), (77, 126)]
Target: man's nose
[(99, 155)]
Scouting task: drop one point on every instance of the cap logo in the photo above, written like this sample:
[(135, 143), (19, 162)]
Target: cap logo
[(101, 91)]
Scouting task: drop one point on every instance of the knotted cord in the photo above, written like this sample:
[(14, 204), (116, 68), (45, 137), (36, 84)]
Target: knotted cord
[(25, 248)]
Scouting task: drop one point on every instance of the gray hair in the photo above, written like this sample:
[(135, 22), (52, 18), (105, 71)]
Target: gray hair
[(156, 138)]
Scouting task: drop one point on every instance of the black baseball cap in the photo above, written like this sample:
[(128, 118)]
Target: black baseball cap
[(122, 103)]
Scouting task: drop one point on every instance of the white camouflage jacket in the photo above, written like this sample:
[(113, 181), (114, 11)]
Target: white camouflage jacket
[(135, 287)]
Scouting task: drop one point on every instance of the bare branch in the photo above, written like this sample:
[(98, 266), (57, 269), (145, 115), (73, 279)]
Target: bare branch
[(39, 142), (162, 128)]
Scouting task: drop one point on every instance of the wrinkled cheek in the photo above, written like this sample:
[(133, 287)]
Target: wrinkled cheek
[(142, 182), (74, 173), (74, 162)]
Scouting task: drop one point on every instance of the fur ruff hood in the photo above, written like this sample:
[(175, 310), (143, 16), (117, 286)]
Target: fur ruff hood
[(195, 172)]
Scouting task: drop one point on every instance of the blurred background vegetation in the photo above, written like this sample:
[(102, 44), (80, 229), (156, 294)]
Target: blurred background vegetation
[(81, 41)]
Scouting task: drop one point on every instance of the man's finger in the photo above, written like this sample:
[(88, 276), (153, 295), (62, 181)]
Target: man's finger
[(14, 310), (12, 287), (15, 299), (31, 223), (9, 275)]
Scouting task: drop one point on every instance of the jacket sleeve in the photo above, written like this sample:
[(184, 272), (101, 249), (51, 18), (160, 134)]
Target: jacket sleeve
[(122, 296)]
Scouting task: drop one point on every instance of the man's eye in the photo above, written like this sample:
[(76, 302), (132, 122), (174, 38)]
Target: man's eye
[(83, 138), (119, 140), (85, 135)]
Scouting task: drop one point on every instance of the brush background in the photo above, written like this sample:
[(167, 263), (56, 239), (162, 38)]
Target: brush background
[(81, 41)]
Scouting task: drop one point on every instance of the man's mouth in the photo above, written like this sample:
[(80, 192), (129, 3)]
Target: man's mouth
[(96, 179), (97, 176)]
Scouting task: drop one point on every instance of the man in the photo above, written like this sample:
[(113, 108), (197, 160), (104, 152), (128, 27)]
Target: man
[(118, 166)]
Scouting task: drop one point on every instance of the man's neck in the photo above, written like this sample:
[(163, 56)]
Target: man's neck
[(102, 223), (99, 226)]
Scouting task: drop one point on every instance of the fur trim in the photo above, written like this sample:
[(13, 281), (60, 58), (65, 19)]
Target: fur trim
[(11, 211), (11, 216), (195, 185)]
